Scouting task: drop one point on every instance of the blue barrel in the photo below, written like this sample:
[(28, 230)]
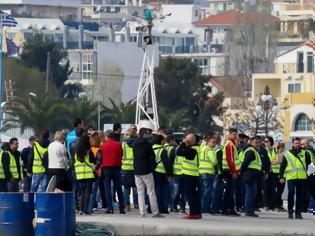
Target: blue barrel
[(53, 215), (16, 214), (70, 213)]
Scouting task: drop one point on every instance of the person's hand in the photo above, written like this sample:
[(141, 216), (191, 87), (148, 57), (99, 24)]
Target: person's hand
[(266, 176), (29, 174), (281, 181), (169, 178), (234, 176)]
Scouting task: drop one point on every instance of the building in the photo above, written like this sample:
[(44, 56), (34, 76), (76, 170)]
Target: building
[(68, 10), (293, 85)]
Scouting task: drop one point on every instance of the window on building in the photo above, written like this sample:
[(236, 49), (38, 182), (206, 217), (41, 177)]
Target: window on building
[(303, 123), (196, 13), (310, 62), (87, 66), (300, 62), (203, 64), (294, 88)]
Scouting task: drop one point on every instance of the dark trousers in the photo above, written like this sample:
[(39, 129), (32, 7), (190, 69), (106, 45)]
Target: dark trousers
[(278, 190), (240, 193), (13, 185), (27, 181), (63, 181), (250, 197), (296, 187), (3, 186), (86, 189), (162, 191), (113, 175), (179, 192), (259, 195), (228, 202), (192, 191), (269, 192), (206, 191)]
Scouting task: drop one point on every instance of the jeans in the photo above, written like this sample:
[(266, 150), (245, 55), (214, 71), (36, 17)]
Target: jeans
[(146, 182), (250, 197), (296, 187), (3, 186), (86, 187), (112, 174), (207, 191), (97, 186), (218, 188), (127, 192), (39, 179), (179, 194), (163, 191)]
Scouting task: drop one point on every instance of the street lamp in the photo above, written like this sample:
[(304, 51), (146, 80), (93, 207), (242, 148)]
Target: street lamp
[(266, 108)]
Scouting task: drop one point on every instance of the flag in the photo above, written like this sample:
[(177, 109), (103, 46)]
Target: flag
[(12, 49), (7, 20)]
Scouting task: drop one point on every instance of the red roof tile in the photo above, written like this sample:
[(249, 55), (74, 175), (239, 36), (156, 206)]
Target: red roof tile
[(234, 17)]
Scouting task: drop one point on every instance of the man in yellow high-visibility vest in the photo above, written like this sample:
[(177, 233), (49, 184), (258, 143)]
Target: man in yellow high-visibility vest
[(294, 169)]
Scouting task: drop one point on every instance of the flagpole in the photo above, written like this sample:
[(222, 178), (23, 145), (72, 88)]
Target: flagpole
[(1, 74)]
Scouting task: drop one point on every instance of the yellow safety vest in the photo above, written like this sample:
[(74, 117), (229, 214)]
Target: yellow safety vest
[(275, 168), (256, 164), (241, 156), (207, 161), (83, 170), (127, 160), (190, 167), (296, 167), (13, 166), (158, 149), (237, 163), (2, 176), (177, 166), (37, 163)]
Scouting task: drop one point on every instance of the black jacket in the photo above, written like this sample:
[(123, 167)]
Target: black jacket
[(284, 162), (266, 164), (144, 156), (6, 164), (187, 152)]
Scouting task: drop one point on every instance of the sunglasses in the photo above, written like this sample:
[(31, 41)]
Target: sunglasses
[(267, 141)]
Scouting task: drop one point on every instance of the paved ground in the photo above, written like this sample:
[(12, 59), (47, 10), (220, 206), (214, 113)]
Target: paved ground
[(269, 223)]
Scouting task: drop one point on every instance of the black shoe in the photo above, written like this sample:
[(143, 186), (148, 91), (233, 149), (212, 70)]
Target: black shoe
[(290, 216), (298, 216), (109, 211), (234, 213), (241, 210), (122, 211), (251, 214)]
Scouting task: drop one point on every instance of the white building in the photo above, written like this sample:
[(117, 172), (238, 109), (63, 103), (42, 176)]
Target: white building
[(69, 10)]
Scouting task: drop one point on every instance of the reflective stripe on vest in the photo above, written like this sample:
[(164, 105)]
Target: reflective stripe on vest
[(207, 161), (13, 166), (127, 160), (255, 164), (37, 163), (225, 165), (158, 149), (295, 168), (82, 170), (2, 176), (190, 167), (275, 168)]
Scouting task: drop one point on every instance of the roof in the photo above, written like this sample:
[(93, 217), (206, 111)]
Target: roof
[(231, 86), (235, 17), (39, 24), (309, 43)]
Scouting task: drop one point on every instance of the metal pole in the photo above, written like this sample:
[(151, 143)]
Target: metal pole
[(47, 72), (1, 74)]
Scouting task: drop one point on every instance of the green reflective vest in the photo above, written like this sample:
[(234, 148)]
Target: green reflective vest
[(83, 170), (13, 166), (255, 164), (37, 163), (296, 167), (127, 160), (190, 167), (207, 161), (158, 149), (241, 156), (2, 176), (237, 163), (177, 166), (275, 168)]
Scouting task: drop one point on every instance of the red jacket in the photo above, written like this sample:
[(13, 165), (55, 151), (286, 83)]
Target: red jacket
[(112, 153), (230, 157)]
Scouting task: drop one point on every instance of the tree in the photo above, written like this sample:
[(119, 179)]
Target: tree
[(35, 52), (123, 113), (38, 112)]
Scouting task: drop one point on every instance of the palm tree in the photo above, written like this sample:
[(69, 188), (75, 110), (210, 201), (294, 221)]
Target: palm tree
[(177, 120), (123, 113), (38, 112)]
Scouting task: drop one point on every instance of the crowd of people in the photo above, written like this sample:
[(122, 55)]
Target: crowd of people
[(160, 174)]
